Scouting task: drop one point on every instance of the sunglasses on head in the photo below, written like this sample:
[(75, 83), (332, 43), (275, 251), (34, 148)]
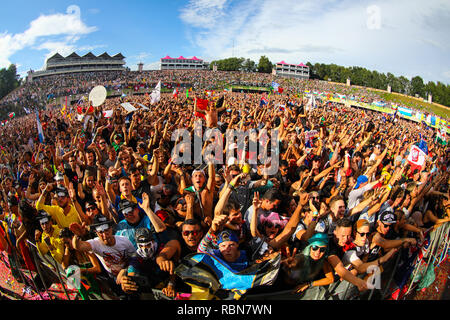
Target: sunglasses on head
[(315, 248), (187, 233)]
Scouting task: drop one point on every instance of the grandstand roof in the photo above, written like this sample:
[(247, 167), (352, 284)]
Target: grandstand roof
[(73, 55), (89, 55), (56, 56), (105, 55), (118, 56), (183, 58)]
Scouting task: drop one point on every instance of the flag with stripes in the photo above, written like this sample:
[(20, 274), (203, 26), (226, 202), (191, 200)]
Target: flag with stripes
[(39, 127)]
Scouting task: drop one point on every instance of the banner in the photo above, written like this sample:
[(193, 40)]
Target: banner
[(128, 107)]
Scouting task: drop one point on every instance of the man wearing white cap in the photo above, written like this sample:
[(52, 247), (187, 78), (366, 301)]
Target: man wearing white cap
[(48, 240), (64, 212), (113, 251)]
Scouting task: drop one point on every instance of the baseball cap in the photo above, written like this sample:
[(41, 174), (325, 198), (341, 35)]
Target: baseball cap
[(43, 216), (59, 176), (101, 223), (143, 236), (388, 216), (227, 236), (126, 206), (61, 192), (319, 239), (361, 179)]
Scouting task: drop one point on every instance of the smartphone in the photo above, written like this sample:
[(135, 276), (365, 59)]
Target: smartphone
[(140, 281)]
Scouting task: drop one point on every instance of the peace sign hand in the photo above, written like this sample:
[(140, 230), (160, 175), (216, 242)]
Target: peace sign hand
[(290, 261), (256, 201)]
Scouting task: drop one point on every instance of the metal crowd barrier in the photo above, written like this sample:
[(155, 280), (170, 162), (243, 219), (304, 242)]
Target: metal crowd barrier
[(50, 271)]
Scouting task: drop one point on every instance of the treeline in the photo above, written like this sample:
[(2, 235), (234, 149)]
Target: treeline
[(9, 80), (358, 76), (241, 64), (374, 79)]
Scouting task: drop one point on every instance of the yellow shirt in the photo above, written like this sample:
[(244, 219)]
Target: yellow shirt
[(58, 251), (57, 213)]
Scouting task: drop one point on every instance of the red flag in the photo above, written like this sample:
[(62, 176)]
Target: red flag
[(280, 89), (202, 104), (200, 115)]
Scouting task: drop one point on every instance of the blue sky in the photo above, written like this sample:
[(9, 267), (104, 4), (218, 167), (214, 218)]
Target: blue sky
[(403, 37)]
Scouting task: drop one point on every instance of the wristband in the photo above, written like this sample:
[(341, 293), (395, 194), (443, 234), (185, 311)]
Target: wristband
[(232, 186)]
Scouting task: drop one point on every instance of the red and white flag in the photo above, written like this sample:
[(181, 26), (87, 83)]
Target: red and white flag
[(416, 156)]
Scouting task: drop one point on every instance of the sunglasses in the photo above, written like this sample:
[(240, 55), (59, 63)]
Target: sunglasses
[(315, 248), (91, 208), (386, 225), (272, 225), (187, 233), (364, 234)]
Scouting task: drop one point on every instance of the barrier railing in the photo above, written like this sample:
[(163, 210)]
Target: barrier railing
[(431, 254)]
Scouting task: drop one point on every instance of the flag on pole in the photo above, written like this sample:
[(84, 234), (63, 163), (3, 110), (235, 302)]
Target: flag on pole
[(441, 137), (156, 93), (11, 115), (416, 157), (39, 127), (423, 145), (201, 106), (27, 111), (175, 93), (263, 101)]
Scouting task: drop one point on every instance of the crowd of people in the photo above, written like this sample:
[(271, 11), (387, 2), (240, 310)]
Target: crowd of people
[(39, 92), (107, 194)]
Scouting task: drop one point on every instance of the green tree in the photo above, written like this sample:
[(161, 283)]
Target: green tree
[(229, 64), (417, 86), (264, 65), (9, 80), (249, 65)]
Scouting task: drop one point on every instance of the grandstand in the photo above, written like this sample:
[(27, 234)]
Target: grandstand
[(182, 63), (73, 63), (284, 69)]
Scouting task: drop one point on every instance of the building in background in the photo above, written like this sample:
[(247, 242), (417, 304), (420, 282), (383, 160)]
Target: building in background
[(182, 63), (292, 70), (74, 63)]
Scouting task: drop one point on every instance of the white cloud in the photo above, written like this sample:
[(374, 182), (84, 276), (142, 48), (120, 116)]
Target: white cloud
[(67, 28), (401, 36), (203, 13)]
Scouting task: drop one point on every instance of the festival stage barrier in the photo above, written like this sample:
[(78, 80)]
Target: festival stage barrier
[(410, 268)]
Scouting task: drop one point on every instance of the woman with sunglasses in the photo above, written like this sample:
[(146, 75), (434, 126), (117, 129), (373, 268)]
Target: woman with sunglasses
[(301, 270)]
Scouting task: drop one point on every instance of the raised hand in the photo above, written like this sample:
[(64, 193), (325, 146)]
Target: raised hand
[(256, 201), (145, 201)]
